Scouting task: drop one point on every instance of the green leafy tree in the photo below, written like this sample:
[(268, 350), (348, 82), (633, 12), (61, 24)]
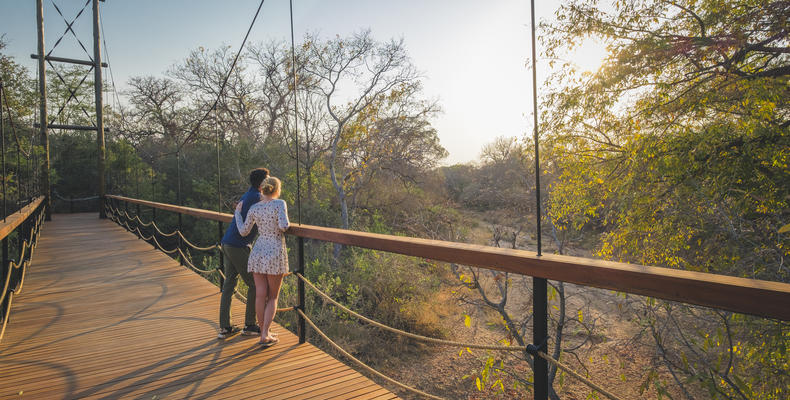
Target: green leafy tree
[(678, 147)]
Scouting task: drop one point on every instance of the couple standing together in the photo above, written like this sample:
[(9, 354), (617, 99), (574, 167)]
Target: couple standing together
[(263, 267)]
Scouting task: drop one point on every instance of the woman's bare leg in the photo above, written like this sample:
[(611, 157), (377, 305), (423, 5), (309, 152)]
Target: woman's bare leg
[(261, 293), (274, 283)]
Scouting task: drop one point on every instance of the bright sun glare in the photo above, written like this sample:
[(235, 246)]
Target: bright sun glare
[(589, 56)]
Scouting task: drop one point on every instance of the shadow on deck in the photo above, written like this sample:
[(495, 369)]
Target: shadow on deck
[(104, 315)]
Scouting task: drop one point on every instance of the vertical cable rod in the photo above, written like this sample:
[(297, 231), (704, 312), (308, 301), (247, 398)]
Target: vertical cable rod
[(99, 103), (2, 134), (540, 331), (535, 121), (219, 177), (296, 119), (42, 88)]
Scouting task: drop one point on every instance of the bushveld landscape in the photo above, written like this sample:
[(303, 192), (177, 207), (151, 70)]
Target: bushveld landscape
[(673, 154)]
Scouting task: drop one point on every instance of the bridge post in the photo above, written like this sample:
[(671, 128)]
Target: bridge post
[(540, 333), (126, 208), (2, 134), (99, 101), (6, 268), (540, 330), (300, 328), (180, 259), (42, 88), (220, 232)]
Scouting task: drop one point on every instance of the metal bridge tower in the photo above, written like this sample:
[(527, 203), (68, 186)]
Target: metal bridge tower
[(95, 64)]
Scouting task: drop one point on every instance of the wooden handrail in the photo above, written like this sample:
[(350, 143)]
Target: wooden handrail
[(195, 212), (16, 219), (750, 296)]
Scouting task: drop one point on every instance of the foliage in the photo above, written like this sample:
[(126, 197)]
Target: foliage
[(678, 148)]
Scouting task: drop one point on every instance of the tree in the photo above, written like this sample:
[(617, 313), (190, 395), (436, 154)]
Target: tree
[(391, 141), (351, 75), (678, 148), (238, 111), (19, 105)]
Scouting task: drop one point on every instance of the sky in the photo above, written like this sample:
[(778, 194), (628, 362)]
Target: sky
[(473, 55)]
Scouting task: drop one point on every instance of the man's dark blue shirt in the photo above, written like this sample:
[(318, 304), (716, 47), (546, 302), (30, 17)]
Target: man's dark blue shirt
[(232, 236)]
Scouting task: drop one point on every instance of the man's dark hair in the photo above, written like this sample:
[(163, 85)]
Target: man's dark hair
[(257, 176)]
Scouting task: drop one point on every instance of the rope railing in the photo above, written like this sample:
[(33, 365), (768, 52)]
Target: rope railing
[(189, 263), (578, 376), (58, 195), (404, 333), (114, 214), (27, 222), (196, 247), (362, 364), (26, 254), (709, 289), (159, 230), (444, 342)]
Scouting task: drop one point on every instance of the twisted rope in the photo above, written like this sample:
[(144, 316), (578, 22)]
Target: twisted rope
[(74, 199), (363, 365), (174, 233), (25, 258), (543, 355), (5, 287), (171, 234), (196, 247), (576, 375), (404, 333), (162, 248), (141, 236), (113, 214), (190, 265), (23, 269), (6, 314)]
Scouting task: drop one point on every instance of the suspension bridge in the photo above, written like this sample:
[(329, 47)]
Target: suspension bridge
[(113, 306), (103, 314)]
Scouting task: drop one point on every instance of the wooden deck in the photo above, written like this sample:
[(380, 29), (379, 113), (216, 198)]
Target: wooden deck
[(104, 315)]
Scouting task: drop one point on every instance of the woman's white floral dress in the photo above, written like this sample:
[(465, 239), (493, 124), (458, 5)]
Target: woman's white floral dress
[(269, 255)]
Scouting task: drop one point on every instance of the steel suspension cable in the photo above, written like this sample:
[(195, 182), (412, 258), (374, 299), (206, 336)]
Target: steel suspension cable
[(219, 176), (11, 119), (116, 98), (296, 119), (2, 133), (225, 81)]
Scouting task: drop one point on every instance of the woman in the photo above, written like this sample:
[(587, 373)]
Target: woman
[(268, 260)]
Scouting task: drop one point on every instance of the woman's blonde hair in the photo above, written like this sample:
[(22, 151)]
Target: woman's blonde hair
[(270, 186)]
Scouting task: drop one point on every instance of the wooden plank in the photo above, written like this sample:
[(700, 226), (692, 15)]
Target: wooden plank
[(359, 393), (749, 296), (104, 315), (16, 219)]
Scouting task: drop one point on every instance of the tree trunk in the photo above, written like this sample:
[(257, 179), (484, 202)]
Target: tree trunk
[(341, 197)]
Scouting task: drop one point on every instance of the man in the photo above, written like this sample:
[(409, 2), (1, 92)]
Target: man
[(236, 250)]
